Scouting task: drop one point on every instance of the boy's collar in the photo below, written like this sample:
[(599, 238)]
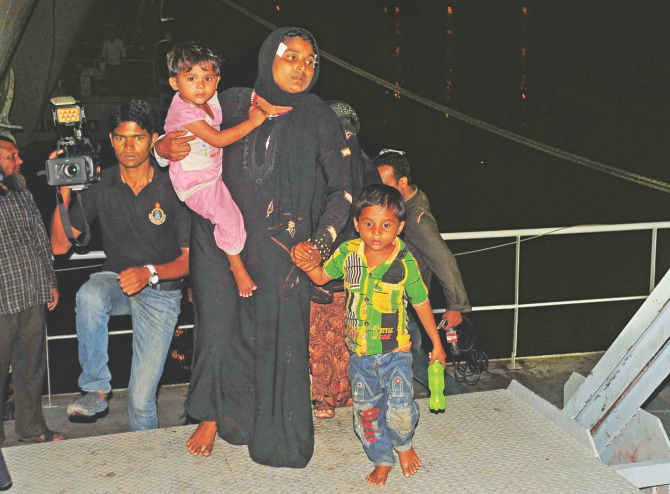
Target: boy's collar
[(398, 246)]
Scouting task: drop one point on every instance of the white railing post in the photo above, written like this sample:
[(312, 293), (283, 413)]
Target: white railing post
[(652, 275), (513, 364)]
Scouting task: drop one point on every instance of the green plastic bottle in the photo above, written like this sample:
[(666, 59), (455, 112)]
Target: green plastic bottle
[(436, 385)]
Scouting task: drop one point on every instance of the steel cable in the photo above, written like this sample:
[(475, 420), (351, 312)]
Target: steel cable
[(450, 112)]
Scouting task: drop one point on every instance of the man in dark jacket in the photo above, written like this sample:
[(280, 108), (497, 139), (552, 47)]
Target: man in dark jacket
[(422, 237)]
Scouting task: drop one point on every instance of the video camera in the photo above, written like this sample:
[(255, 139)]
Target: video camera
[(78, 166)]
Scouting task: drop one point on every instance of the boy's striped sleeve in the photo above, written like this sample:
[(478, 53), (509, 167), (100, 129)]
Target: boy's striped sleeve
[(334, 267)]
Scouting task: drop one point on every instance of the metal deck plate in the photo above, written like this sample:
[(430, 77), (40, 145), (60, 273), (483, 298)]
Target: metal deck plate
[(487, 442)]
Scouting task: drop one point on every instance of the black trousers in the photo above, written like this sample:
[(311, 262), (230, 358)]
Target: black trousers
[(23, 345)]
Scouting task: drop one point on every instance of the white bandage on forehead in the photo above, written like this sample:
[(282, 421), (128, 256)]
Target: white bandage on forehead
[(281, 49)]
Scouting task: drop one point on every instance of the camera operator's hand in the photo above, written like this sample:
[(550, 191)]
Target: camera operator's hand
[(54, 154), (132, 280), (174, 146)]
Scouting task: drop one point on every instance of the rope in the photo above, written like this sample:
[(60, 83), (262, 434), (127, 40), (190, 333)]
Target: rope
[(450, 112), (514, 243)]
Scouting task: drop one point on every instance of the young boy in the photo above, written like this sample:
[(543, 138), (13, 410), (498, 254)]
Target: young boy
[(380, 276)]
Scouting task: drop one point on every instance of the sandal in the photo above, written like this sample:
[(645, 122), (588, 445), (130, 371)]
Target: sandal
[(325, 409), (48, 436)]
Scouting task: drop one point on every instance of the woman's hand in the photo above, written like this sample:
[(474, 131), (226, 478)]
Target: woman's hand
[(174, 146), (307, 266), (304, 251)]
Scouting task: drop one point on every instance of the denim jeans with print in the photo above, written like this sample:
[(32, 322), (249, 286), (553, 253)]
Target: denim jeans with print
[(154, 315), (385, 412)]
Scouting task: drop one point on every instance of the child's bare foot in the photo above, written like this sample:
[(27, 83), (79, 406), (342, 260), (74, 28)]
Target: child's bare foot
[(202, 440), (245, 284), (409, 462), (378, 475)]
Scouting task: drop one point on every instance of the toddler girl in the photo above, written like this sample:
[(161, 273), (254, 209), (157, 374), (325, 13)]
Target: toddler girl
[(194, 74)]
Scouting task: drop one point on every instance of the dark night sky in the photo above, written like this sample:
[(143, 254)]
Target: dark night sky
[(596, 86)]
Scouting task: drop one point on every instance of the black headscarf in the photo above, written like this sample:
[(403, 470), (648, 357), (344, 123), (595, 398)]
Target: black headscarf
[(267, 88), (346, 114), (295, 213)]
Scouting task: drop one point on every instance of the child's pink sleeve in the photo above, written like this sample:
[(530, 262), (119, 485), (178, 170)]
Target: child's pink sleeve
[(191, 114)]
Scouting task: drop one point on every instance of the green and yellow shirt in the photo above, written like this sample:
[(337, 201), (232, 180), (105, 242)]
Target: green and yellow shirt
[(376, 300)]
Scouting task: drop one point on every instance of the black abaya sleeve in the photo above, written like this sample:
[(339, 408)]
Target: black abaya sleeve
[(335, 163)]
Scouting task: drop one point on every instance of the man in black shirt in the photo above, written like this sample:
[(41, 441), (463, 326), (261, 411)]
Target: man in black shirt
[(27, 288), (145, 234)]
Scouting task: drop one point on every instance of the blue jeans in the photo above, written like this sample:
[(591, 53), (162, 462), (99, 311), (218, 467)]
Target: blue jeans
[(154, 315), (385, 412)]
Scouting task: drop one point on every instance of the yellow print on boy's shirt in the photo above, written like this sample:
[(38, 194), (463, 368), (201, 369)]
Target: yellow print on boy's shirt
[(376, 299)]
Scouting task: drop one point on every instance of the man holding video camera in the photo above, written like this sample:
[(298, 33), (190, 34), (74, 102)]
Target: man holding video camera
[(27, 288), (145, 235)]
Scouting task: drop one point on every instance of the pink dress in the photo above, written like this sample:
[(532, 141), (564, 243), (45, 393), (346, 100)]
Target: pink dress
[(197, 178)]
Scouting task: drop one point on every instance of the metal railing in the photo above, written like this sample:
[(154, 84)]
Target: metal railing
[(518, 234), (535, 232)]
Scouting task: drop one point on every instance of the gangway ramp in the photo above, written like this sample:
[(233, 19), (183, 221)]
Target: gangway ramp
[(488, 442)]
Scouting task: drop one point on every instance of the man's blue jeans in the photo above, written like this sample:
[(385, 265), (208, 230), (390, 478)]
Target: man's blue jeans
[(385, 412), (154, 315)]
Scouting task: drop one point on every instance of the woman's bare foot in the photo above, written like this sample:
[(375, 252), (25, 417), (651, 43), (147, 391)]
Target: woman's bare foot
[(378, 475), (245, 285), (409, 462), (202, 440), (326, 408)]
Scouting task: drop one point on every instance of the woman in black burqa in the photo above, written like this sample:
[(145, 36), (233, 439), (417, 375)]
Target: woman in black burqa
[(291, 178)]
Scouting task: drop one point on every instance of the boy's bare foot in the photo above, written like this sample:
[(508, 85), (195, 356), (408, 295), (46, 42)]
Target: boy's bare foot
[(202, 440), (409, 462), (378, 475)]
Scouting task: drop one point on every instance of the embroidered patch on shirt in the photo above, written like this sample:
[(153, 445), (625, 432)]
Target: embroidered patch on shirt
[(418, 220), (346, 152), (332, 231), (281, 49), (348, 197), (270, 209), (291, 228), (157, 216)]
